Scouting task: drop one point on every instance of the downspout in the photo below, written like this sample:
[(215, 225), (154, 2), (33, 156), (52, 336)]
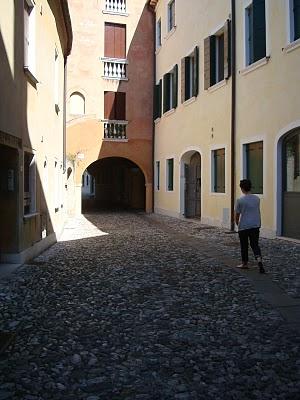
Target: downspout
[(64, 115), (233, 112), (153, 100)]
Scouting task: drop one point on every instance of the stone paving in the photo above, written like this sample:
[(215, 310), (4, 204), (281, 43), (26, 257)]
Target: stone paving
[(121, 309)]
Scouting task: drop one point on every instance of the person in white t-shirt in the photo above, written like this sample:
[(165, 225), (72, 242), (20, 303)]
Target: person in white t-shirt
[(247, 218)]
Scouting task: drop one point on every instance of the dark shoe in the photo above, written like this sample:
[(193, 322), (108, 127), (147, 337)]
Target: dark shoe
[(261, 268)]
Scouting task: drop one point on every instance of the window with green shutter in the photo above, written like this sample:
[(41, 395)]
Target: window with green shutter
[(171, 15), (255, 40), (295, 19), (217, 56), (254, 165), (170, 174), (157, 175), (219, 171), (170, 89), (190, 75), (157, 100)]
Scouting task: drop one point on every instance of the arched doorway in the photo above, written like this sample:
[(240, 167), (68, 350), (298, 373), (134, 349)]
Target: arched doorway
[(118, 184), (291, 185), (191, 185)]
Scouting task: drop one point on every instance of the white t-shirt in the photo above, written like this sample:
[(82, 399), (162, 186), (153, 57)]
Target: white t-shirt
[(248, 208)]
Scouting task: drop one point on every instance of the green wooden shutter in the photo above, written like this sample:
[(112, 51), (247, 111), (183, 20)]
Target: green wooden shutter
[(182, 80), (206, 63), (219, 168), (259, 29), (166, 93), (175, 86), (296, 19), (196, 72), (170, 173), (187, 79), (213, 60), (254, 154), (227, 49), (157, 100)]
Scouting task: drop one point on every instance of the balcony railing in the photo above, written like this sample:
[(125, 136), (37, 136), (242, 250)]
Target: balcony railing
[(115, 6), (115, 129), (114, 68)]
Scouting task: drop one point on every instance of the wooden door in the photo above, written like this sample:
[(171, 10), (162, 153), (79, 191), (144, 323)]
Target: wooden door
[(193, 187)]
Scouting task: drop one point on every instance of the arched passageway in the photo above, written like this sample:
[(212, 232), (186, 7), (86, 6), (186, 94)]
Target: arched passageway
[(114, 183)]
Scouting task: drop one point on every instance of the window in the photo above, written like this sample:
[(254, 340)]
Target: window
[(157, 100), (294, 19), (170, 174), (77, 104), (115, 106), (217, 56), (115, 41), (29, 183), (171, 15), (158, 34), (170, 83), (255, 29), (56, 81), (157, 175), (291, 161), (218, 171), (190, 75), (254, 165), (29, 36), (56, 187)]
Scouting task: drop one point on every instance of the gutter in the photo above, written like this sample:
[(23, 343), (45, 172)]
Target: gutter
[(233, 113)]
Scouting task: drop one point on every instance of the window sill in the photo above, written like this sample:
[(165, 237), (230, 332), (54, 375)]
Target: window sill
[(292, 46), (114, 60), (108, 78), (123, 14), (255, 65), (30, 76), (169, 112), (30, 216), (157, 120), (217, 194), (217, 86), (170, 33), (115, 140), (189, 101)]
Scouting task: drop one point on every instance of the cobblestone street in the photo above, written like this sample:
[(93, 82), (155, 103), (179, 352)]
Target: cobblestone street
[(135, 306)]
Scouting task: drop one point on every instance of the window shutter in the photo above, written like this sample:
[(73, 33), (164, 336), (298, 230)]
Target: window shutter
[(173, 14), (175, 86), (213, 77), (26, 34), (165, 93), (255, 166), (207, 63), (182, 83), (259, 29), (109, 40), (296, 19), (170, 173), (196, 72), (227, 49), (120, 106), (120, 41), (187, 79), (157, 100), (109, 105)]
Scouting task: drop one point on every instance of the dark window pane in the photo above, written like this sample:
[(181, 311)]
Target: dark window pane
[(254, 161), (170, 173)]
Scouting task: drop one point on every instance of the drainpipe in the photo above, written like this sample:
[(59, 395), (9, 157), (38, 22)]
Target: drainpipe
[(64, 115), (233, 111), (153, 99)]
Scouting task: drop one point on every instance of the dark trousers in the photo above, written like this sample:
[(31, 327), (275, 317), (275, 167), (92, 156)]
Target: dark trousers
[(253, 236)]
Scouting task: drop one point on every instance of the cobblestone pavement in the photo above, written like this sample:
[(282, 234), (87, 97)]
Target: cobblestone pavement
[(121, 309)]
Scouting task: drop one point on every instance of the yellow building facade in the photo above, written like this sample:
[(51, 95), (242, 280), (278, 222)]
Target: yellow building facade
[(227, 108), (36, 38)]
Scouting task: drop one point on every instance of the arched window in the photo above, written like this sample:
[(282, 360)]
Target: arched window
[(77, 104)]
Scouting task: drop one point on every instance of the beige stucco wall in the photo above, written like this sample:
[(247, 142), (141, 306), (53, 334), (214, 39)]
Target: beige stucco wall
[(29, 113), (268, 103), (200, 125)]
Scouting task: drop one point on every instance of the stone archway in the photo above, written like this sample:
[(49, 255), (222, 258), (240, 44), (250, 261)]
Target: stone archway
[(119, 183)]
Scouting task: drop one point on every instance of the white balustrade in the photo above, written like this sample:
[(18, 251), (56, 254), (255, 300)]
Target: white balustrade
[(116, 6), (115, 129), (114, 69)]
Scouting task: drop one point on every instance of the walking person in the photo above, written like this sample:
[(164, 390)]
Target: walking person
[(247, 218)]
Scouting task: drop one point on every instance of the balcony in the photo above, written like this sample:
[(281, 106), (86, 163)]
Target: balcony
[(115, 130), (115, 6), (114, 68)]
